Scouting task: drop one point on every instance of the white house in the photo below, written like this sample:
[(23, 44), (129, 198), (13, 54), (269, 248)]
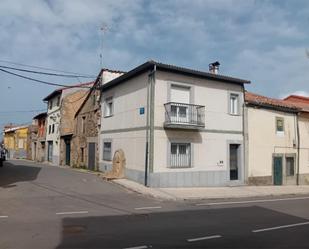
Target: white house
[(177, 126), (272, 141)]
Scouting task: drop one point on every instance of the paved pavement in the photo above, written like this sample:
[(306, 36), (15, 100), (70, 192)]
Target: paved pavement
[(214, 192), (53, 207)]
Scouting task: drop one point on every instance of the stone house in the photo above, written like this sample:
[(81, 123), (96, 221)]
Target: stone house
[(69, 106), (87, 124)]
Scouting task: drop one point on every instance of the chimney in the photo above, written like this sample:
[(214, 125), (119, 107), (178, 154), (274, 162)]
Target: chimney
[(214, 67)]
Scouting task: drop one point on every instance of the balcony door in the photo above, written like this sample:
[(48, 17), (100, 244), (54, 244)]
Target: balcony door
[(180, 98)]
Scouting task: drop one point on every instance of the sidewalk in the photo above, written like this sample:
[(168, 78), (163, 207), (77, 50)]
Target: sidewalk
[(213, 192)]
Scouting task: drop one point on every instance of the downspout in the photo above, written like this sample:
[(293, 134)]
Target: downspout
[(149, 126), (245, 134), (298, 147)]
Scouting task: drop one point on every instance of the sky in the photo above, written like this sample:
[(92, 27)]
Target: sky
[(266, 42)]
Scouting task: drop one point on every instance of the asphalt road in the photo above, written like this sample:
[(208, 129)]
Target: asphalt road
[(45, 206)]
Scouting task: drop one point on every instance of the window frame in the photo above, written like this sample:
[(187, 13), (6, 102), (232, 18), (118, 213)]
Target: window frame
[(58, 101), (286, 168), (230, 105), (190, 154), (83, 124), (107, 101), (50, 104), (278, 132), (110, 157)]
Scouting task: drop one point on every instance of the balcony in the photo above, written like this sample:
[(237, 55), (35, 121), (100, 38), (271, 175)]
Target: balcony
[(184, 116)]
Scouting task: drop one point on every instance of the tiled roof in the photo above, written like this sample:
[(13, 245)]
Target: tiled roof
[(299, 101), (59, 90), (263, 101), (149, 65)]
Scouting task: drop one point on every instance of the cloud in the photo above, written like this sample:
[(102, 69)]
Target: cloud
[(263, 41)]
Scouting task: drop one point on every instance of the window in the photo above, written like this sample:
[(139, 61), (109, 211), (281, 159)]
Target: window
[(82, 154), (234, 104), (107, 151), (279, 125), (180, 155), (289, 162), (83, 125), (50, 104), (108, 107), (58, 101), (53, 128), (49, 129)]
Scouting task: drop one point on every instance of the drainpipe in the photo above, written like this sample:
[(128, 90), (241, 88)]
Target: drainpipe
[(244, 133), (298, 147), (150, 125)]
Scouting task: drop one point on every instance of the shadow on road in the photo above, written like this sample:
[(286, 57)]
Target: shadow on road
[(13, 173), (173, 229)]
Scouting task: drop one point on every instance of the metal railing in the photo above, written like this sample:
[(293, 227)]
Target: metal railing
[(184, 114)]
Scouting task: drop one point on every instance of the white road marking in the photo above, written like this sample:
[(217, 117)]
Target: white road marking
[(137, 247), (204, 238), (280, 227), (74, 212), (142, 208), (3, 216), (252, 201)]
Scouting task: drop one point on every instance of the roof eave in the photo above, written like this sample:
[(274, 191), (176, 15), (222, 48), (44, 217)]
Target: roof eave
[(273, 107)]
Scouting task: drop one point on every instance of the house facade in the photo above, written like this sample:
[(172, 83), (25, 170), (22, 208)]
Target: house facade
[(87, 124), (69, 106), (15, 141), (37, 137), (272, 141), (177, 127), (54, 118), (303, 124)]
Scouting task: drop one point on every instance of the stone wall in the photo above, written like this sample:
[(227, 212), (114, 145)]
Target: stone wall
[(69, 106), (88, 116)]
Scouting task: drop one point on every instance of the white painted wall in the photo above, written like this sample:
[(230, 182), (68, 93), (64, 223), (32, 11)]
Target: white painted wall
[(263, 140), (128, 98), (304, 143), (209, 146), (53, 118)]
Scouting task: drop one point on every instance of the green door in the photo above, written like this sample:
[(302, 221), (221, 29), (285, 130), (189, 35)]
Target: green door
[(277, 170)]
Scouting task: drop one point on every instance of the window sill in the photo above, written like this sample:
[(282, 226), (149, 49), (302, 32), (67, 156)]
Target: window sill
[(182, 167), (108, 116), (231, 114), (280, 133)]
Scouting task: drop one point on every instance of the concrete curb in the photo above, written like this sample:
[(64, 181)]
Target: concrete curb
[(141, 189), (212, 193)]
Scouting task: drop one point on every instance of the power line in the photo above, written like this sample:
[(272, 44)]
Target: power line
[(14, 111), (41, 81), (51, 74), (44, 68)]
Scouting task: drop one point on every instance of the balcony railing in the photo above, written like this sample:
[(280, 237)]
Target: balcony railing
[(179, 115)]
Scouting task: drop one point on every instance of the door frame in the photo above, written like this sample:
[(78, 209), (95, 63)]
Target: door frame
[(240, 155), (273, 167), (88, 154)]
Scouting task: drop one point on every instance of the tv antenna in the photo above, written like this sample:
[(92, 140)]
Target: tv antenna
[(104, 28)]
